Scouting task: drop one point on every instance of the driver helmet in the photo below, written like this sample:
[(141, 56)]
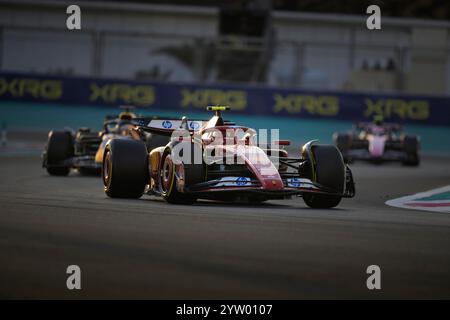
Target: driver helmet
[(126, 115)]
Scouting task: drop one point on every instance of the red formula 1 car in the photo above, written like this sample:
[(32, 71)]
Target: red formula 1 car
[(218, 160), (378, 142)]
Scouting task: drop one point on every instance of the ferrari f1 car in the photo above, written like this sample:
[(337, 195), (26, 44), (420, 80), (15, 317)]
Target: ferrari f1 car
[(378, 142), (217, 160), (83, 149)]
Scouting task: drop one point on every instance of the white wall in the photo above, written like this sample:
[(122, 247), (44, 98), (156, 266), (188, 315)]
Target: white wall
[(44, 52), (35, 37)]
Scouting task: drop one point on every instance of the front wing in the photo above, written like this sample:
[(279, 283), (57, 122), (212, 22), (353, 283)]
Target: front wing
[(247, 186)]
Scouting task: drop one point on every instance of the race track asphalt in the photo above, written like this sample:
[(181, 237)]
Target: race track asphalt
[(281, 249)]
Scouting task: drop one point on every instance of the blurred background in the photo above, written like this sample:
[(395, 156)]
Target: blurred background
[(310, 67)]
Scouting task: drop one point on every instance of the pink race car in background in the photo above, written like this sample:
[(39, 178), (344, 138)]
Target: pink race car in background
[(378, 142)]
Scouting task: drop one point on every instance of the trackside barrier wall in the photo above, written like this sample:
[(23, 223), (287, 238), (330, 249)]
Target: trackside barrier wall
[(244, 99)]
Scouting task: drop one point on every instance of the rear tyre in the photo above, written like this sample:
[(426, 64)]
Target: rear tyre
[(330, 173), (343, 141), (125, 169), (59, 148), (411, 147)]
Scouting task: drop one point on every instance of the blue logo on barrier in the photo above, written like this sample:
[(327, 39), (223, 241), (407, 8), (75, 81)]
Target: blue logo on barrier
[(194, 125), (167, 124), (241, 181)]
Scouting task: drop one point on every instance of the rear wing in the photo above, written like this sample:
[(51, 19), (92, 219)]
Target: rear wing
[(387, 125), (165, 126)]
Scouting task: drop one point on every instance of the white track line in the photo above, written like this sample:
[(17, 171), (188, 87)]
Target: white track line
[(413, 202)]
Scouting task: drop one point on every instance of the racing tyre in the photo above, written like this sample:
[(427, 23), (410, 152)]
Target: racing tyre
[(343, 142), (193, 173), (125, 169), (330, 173), (411, 147), (59, 148)]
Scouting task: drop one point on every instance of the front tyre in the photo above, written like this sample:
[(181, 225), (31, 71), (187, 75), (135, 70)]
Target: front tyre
[(59, 148), (343, 141), (329, 171), (125, 168)]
